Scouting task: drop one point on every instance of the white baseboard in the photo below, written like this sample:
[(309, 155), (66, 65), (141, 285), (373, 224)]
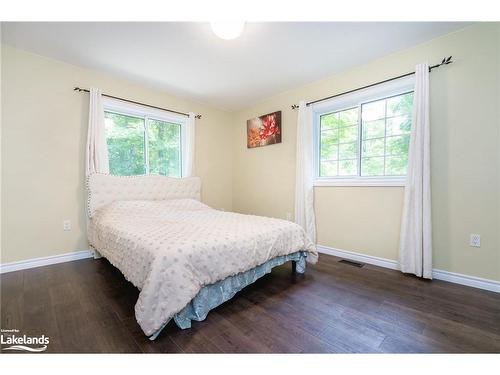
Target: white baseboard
[(45, 261), (358, 257), (473, 281), (452, 277), (457, 278)]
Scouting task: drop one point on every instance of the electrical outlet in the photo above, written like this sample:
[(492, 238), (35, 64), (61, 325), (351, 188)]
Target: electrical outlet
[(475, 240), (289, 216), (67, 225)]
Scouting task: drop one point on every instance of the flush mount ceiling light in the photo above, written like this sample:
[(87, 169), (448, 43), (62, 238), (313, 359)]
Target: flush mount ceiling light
[(227, 30)]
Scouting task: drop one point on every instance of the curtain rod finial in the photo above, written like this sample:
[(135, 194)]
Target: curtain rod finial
[(198, 117), (295, 106)]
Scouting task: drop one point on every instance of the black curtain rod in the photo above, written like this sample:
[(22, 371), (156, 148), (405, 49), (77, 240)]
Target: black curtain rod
[(446, 61), (139, 103)]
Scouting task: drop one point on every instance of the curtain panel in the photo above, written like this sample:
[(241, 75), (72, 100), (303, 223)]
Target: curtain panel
[(96, 158), (304, 176), (415, 249), (189, 170)]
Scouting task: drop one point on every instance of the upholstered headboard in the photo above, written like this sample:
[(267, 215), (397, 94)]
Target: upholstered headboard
[(103, 189)]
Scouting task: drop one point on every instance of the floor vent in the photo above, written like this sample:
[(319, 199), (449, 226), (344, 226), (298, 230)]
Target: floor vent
[(351, 263)]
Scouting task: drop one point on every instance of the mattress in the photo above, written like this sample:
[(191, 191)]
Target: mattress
[(171, 249)]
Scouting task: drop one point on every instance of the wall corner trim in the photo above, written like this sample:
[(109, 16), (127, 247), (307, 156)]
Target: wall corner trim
[(45, 261), (452, 277)]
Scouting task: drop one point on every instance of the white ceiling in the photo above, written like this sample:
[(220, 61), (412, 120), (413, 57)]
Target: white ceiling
[(187, 59)]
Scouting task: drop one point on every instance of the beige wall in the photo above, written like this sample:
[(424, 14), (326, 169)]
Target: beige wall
[(44, 132), (465, 159)]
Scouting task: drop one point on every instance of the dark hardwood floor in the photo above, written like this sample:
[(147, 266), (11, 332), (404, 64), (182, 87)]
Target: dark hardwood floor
[(87, 306)]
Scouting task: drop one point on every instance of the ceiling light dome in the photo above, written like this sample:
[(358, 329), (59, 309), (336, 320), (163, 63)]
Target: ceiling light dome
[(227, 30)]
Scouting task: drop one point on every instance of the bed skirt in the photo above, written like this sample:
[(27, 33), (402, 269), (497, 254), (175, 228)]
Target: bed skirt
[(213, 295)]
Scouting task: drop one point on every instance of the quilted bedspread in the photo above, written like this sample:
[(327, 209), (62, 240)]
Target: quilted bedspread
[(170, 249)]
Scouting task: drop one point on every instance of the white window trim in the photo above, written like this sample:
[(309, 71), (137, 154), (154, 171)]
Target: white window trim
[(360, 181), (137, 110), (352, 100)]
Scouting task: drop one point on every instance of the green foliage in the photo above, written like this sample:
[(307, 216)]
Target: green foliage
[(348, 167), (372, 166), (373, 129), (339, 146), (125, 138), (164, 148), (126, 146), (373, 147), (328, 168), (348, 151)]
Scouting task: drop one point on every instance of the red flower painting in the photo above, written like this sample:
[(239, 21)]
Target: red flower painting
[(264, 130)]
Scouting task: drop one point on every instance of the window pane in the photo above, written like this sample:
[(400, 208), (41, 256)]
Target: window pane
[(372, 166), (373, 129), (164, 148), (329, 151), (125, 139), (348, 134), (400, 105), (348, 167), (386, 127), (328, 168), (373, 111), (348, 117), (373, 147), (339, 140), (396, 165), (329, 121), (348, 150), (330, 136), (399, 125), (398, 145)]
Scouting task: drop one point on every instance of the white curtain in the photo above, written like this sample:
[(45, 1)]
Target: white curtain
[(415, 248), (190, 146), (96, 158), (304, 176)]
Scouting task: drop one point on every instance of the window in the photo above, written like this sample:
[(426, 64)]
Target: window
[(339, 143), (363, 139), (125, 138), (386, 126), (142, 140)]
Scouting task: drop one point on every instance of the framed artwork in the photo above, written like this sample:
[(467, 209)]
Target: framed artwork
[(264, 130)]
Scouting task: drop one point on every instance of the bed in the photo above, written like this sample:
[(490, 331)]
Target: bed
[(185, 257)]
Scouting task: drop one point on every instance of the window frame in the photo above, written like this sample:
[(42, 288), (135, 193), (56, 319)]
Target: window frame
[(148, 113), (349, 101)]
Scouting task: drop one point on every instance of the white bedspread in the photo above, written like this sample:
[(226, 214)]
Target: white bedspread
[(171, 249)]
